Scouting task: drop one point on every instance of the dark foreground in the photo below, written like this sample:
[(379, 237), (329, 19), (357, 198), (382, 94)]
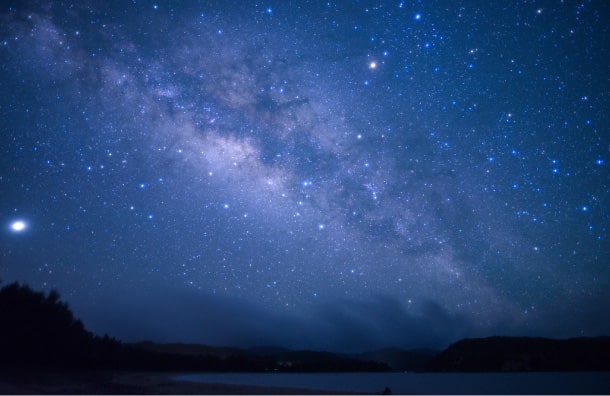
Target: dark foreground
[(77, 382)]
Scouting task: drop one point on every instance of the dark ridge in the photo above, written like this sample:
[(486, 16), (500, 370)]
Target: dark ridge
[(514, 354), (400, 359), (188, 349)]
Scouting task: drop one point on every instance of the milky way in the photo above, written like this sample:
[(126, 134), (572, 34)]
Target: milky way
[(339, 176)]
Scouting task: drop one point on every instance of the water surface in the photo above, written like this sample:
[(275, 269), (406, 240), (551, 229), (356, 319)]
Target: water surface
[(426, 383)]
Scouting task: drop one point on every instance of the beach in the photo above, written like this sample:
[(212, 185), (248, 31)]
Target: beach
[(101, 382)]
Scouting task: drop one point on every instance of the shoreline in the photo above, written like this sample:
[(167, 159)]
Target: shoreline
[(163, 383), (112, 383)]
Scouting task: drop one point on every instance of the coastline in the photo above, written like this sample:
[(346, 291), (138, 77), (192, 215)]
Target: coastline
[(78, 382)]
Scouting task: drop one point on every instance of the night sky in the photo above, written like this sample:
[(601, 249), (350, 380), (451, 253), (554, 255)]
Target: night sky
[(332, 175)]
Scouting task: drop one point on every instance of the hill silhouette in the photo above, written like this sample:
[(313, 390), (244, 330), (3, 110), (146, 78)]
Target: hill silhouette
[(400, 359), (511, 354)]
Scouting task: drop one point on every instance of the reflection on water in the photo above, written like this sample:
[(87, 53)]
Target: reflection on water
[(428, 383)]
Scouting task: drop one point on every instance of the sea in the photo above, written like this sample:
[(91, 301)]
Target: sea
[(421, 383)]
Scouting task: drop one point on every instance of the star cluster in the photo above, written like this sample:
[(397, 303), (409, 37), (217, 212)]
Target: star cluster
[(411, 172)]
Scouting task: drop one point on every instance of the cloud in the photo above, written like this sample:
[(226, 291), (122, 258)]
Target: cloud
[(344, 325)]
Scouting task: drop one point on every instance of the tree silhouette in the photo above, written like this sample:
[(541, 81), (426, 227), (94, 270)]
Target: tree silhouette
[(39, 330)]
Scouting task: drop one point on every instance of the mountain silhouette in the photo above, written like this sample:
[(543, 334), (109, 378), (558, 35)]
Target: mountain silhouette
[(510, 354)]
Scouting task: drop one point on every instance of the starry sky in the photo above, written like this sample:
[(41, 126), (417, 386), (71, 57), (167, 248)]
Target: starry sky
[(333, 175)]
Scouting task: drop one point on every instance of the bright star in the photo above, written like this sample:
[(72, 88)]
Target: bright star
[(373, 65), (18, 226)]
